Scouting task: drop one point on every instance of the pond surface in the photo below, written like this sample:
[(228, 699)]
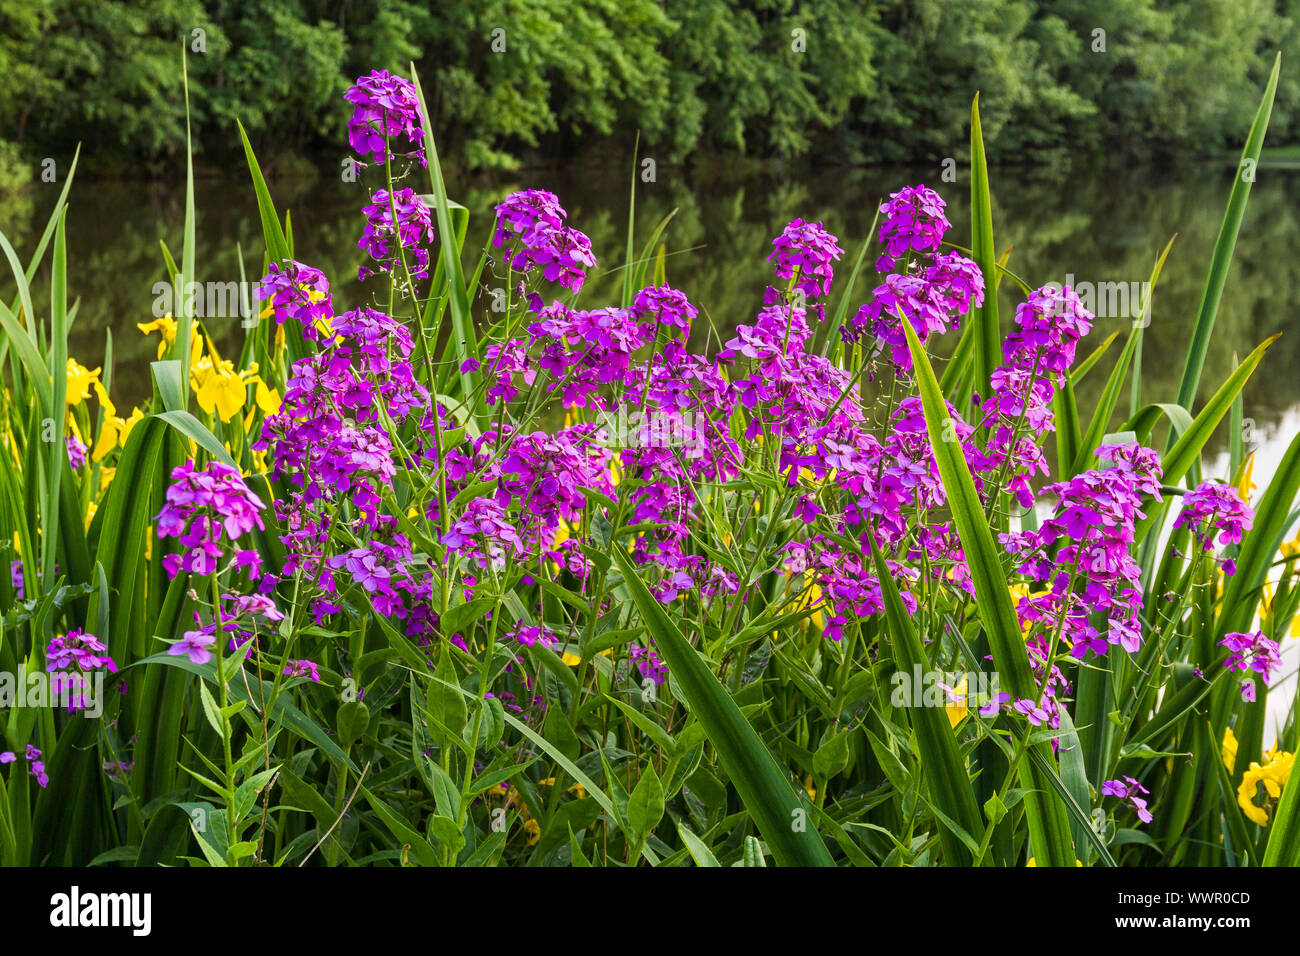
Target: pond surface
[(1068, 226)]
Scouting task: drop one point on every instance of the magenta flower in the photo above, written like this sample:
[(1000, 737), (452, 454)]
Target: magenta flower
[(72, 656), (804, 252), (303, 668), (662, 305), (528, 635), (1031, 711), (534, 219), (1213, 507), (648, 664), (386, 107), (1127, 790), (194, 644), (76, 451), (1253, 652), (414, 229), (913, 220), (296, 291), (203, 510)]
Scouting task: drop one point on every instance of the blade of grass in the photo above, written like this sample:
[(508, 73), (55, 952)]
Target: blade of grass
[(1048, 821), (988, 341), (1221, 259), (763, 786), (941, 759)]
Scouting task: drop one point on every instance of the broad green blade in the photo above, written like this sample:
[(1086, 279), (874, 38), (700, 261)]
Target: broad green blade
[(988, 340), (1221, 259), (1048, 823), (763, 786), (941, 760)]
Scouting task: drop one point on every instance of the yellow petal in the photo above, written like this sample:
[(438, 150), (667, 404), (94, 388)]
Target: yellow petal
[(105, 402), (107, 439), (268, 399), (230, 397)]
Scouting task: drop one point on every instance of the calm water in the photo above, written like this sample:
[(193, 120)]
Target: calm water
[(1096, 228)]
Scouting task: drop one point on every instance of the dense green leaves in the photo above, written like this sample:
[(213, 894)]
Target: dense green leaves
[(830, 78)]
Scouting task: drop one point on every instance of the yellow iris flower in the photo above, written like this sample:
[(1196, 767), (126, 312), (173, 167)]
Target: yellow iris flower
[(1273, 775), (80, 381), (223, 389), (114, 431), (166, 328), (1020, 592), (1032, 863)]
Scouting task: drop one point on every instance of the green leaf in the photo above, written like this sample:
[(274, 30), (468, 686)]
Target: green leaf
[(942, 762), (763, 786), (645, 805), (352, 720), (423, 850), (191, 427), (700, 853), (1221, 259), (277, 247), (1048, 822), (988, 341)]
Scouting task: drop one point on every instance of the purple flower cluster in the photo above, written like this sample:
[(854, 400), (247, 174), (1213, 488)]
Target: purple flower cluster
[(76, 451), (662, 305), (70, 658), (414, 230), (203, 510), (484, 532), (585, 351), (329, 438), (926, 288), (1038, 352), (1214, 508), (648, 664), (534, 219), (930, 301), (35, 766), (332, 442), (296, 291), (1127, 790), (385, 107), (1091, 533), (1253, 652), (848, 589), (914, 220), (804, 253)]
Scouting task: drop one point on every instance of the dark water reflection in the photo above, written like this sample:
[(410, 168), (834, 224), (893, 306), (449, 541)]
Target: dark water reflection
[(1098, 227)]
